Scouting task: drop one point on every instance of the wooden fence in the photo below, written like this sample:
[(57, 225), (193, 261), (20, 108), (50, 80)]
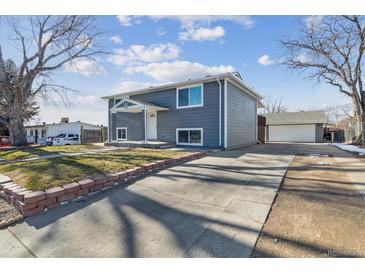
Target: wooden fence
[(94, 135), (261, 123), (351, 128)]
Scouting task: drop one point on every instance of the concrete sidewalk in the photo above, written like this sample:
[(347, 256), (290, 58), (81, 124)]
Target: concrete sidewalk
[(211, 207)]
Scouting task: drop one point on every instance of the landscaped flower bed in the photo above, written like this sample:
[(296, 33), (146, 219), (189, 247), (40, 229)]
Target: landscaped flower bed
[(31, 201)]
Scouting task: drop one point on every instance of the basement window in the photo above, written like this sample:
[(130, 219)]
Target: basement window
[(189, 136), (121, 133)]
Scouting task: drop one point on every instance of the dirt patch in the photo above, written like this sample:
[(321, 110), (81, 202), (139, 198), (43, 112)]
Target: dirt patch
[(8, 214), (318, 213)]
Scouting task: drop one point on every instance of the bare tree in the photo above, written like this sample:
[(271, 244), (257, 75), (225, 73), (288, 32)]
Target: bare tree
[(273, 105), (46, 43), (331, 50)]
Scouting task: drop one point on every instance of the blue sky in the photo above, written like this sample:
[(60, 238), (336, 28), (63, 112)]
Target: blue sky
[(150, 50)]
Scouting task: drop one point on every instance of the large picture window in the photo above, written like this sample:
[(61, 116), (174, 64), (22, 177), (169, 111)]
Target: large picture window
[(190, 97), (189, 136), (121, 133)]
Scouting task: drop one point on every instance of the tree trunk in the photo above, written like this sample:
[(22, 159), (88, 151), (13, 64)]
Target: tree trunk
[(16, 127), (359, 116), (17, 132)]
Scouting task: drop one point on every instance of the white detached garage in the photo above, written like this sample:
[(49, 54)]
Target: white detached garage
[(304, 126)]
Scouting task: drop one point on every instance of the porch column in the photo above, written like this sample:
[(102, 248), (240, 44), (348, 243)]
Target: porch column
[(145, 124)]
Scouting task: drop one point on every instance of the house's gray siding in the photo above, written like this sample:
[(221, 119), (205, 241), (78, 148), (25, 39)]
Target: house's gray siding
[(319, 133), (134, 124), (241, 117), (205, 117), (111, 122)]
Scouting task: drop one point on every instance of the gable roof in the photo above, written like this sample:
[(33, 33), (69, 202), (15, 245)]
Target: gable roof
[(233, 76), (127, 103), (296, 118)]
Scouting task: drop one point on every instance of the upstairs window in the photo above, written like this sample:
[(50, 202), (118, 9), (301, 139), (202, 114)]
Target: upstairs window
[(190, 97)]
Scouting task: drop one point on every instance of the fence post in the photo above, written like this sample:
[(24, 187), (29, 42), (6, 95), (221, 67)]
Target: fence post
[(81, 134)]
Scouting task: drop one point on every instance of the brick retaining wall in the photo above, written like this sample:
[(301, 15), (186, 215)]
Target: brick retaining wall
[(31, 202)]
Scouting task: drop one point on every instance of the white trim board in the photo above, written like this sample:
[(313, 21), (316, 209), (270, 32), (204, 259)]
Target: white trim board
[(225, 114)]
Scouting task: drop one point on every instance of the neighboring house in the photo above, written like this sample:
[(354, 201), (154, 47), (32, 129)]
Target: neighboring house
[(36, 133), (217, 111), (304, 126), (39, 133)]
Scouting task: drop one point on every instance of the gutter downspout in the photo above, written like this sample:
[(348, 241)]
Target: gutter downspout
[(145, 124), (257, 122), (220, 112), (225, 115)]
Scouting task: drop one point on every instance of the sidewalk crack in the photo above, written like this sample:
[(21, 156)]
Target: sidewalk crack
[(20, 241)]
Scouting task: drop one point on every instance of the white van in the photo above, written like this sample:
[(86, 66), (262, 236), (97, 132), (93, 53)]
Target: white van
[(66, 139)]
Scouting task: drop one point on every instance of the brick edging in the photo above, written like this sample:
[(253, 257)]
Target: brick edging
[(30, 202)]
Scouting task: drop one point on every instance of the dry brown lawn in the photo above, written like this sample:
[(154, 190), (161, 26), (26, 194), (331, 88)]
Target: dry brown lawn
[(318, 213)]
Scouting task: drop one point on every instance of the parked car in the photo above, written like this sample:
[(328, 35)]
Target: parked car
[(72, 139), (61, 138)]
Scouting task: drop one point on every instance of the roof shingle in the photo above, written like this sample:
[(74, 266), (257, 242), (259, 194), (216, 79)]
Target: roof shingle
[(296, 118)]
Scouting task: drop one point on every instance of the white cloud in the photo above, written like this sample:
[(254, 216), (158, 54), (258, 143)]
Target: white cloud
[(160, 32), (177, 70), (116, 39), (301, 58), (77, 109), (85, 67), (126, 86), (198, 28), (137, 54), (265, 60), (313, 20), (202, 33), (125, 20), (189, 20)]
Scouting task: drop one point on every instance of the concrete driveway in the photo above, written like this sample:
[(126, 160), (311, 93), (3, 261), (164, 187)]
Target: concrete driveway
[(211, 207)]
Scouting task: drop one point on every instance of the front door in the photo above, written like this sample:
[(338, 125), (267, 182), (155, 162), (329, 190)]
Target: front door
[(152, 126)]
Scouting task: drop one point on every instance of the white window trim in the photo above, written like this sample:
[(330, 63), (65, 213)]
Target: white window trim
[(126, 133), (188, 87), (190, 144)]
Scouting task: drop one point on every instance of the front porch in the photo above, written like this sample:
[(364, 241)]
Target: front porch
[(144, 144), (144, 136)]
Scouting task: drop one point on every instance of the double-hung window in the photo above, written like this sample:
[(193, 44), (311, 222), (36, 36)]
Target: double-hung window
[(121, 133), (189, 136), (188, 97)]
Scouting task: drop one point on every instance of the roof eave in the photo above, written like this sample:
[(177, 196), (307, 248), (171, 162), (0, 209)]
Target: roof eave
[(229, 75)]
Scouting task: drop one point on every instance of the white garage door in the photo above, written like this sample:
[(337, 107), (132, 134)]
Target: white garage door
[(292, 133)]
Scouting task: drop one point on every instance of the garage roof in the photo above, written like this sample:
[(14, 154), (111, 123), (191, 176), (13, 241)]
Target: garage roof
[(296, 118)]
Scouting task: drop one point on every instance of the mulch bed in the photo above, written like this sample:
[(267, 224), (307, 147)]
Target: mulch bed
[(8, 214)]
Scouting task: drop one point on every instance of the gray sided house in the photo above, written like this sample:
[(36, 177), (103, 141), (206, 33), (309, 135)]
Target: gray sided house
[(217, 111)]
